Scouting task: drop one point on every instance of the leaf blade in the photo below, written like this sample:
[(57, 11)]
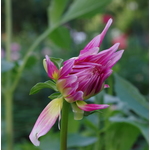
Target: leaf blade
[(131, 96), (48, 84)]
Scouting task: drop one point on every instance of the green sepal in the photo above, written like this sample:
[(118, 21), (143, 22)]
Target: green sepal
[(57, 61), (41, 85), (55, 95), (78, 113)]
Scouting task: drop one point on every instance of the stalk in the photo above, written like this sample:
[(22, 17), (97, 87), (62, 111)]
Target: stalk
[(9, 120), (7, 92), (64, 126)]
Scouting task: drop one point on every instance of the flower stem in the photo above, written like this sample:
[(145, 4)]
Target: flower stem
[(9, 120), (8, 94), (64, 126)]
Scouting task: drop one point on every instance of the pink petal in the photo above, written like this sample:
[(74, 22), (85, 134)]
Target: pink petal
[(77, 96), (66, 82), (65, 70), (46, 120), (95, 42), (103, 56), (50, 68), (93, 50), (114, 58), (90, 107)]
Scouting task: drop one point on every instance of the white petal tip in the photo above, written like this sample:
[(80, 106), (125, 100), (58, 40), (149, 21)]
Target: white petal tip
[(34, 139)]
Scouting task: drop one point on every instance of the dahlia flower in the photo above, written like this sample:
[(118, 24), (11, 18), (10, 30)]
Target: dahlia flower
[(77, 80)]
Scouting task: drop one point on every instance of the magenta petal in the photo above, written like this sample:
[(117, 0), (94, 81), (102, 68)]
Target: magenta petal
[(65, 70), (95, 42), (46, 120), (51, 69), (77, 96), (90, 107), (91, 51), (66, 82), (114, 58)]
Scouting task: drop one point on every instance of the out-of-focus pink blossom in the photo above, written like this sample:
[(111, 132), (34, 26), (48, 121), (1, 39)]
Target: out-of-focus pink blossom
[(15, 47), (122, 39), (2, 53), (106, 17), (15, 56)]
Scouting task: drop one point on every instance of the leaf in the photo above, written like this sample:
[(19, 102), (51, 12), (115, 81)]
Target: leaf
[(121, 136), (131, 96), (41, 85), (142, 126), (50, 141), (54, 95), (61, 37), (81, 7), (6, 66), (76, 140), (55, 10), (57, 61)]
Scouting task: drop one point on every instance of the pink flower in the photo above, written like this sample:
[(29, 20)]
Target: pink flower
[(122, 39), (78, 79), (106, 17), (15, 47)]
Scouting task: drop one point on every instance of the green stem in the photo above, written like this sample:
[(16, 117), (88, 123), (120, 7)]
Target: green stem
[(7, 93), (9, 120), (64, 126), (8, 26)]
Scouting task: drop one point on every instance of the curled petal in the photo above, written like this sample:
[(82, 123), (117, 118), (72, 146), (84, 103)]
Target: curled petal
[(77, 96), (50, 68), (46, 120), (95, 42), (90, 107), (67, 82)]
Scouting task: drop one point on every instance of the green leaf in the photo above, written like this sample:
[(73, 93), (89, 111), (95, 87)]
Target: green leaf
[(131, 96), (81, 7), (76, 140), (61, 37), (121, 136), (50, 141), (142, 126), (41, 85), (54, 95), (6, 66), (57, 61), (55, 10)]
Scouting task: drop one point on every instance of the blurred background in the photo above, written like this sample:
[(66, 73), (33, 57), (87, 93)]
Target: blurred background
[(130, 28)]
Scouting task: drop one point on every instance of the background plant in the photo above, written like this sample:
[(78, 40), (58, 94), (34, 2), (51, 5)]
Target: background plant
[(55, 30)]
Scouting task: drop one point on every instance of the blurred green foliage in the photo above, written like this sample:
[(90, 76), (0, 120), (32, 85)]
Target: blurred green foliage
[(124, 125)]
